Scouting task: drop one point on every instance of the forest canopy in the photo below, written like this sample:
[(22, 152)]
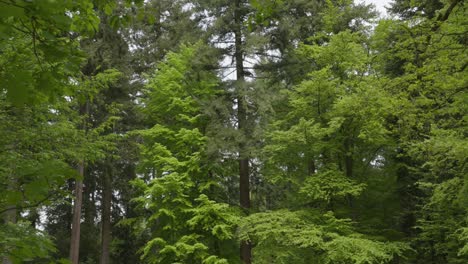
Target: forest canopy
[(233, 131)]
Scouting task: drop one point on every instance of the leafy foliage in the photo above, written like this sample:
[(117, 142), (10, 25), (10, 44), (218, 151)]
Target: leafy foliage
[(186, 225), (21, 242), (352, 138), (310, 236)]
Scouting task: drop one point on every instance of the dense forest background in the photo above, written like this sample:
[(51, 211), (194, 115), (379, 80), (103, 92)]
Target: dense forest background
[(218, 131)]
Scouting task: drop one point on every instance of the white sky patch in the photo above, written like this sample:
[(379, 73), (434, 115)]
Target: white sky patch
[(378, 161)]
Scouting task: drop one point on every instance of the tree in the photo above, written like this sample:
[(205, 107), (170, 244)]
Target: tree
[(40, 47), (89, 89), (428, 80), (320, 156), (179, 191), (250, 32), (38, 142)]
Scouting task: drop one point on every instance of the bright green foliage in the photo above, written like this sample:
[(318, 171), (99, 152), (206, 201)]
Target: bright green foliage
[(279, 25), (329, 184), (463, 237), (444, 213), (427, 67), (321, 153), (41, 144), (185, 225), (87, 92), (37, 143), (310, 236), (217, 218), (38, 46), (336, 112)]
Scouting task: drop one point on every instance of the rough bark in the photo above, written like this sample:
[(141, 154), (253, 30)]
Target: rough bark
[(244, 170), (106, 216), (78, 203)]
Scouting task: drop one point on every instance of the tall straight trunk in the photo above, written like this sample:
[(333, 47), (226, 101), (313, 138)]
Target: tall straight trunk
[(76, 222), (244, 170), (78, 204), (106, 216), (69, 213)]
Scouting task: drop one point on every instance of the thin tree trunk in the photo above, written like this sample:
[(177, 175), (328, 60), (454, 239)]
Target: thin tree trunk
[(75, 235), (89, 203), (69, 211), (349, 163), (244, 170), (311, 166), (245, 247), (348, 158), (78, 204), (106, 216)]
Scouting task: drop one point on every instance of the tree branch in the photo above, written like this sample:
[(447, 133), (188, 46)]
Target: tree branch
[(27, 206)]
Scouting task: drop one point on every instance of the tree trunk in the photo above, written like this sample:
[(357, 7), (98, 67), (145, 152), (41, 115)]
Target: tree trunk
[(349, 162), (245, 247), (69, 210), (75, 235), (244, 179), (106, 216), (311, 166), (348, 147), (78, 204)]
